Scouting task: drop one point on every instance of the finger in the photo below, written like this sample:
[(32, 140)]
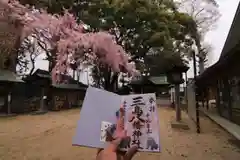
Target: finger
[(122, 153), (130, 153), (99, 154), (119, 133), (99, 150), (114, 143), (113, 146), (121, 110), (120, 121), (120, 124), (109, 136)]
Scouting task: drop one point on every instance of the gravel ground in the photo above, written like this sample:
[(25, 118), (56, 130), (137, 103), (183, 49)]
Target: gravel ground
[(49, 137)]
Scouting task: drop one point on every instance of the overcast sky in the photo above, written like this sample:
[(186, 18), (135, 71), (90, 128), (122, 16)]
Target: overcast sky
[(216, 37)]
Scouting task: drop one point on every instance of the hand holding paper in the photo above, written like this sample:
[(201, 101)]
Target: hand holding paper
[(138, 123), (115, 138)]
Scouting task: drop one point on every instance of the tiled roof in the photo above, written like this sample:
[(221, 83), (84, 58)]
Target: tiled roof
[(70, 86), (6, 75), (159, 80)]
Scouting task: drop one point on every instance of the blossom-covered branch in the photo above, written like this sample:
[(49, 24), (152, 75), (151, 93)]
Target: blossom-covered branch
[(66, 35)]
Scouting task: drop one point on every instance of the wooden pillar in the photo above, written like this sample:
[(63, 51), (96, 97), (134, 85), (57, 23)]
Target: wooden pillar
[(203, 97), (67, 99), (229, 99), (9, 97), (207, 98), (172, 98), (42, 104), (218, 99)]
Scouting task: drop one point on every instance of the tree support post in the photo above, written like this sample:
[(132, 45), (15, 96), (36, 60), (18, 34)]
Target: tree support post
[(9, 112), (177, 103)]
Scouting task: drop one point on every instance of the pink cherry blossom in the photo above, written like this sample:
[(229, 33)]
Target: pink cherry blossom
[(68, 36)]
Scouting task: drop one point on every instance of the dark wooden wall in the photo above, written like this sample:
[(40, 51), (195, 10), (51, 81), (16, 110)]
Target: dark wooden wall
[(66, 98)]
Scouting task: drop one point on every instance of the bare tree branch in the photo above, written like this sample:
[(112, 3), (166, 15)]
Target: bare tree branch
[(28, 52), (204, 12)]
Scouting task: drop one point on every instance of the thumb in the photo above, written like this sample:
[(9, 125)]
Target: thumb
[(131, 152), (113, 146)]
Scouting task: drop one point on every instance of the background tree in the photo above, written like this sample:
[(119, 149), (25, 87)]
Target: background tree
[(136, 25), (204, 52), (205, 13), (9, 42)]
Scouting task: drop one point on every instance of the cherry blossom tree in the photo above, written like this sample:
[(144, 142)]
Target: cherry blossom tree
[(68, 37), (8, 40)]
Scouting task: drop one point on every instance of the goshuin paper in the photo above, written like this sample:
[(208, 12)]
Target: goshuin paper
[(99, 112)]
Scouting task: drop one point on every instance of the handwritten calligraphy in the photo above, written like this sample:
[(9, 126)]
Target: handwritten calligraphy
[(137, 120)]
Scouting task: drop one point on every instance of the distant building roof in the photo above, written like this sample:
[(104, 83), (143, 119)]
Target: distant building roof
[(137, 81), (42, 73), (156, 80), (39, 73), (70, 86), (8, 76), (69, 79), (159, 80), (124, 90)]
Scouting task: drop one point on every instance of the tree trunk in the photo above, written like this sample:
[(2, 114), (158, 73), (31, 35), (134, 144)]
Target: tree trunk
[(52, 59), (201, 59), (31, 71), (114, 82), (110, 81), (74, 71), (33, 64), (201, 65), (107, 79), (177, 103), (52, 64), (78, 76)]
